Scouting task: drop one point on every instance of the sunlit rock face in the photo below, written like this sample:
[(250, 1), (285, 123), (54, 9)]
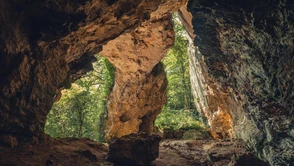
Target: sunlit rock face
[(214, 103), (246, 70), (140, 85), (207, 97), (45, 45)]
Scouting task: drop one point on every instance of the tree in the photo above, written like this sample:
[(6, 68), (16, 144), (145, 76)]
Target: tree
[(82, 108), (176, 64), (179, 110)]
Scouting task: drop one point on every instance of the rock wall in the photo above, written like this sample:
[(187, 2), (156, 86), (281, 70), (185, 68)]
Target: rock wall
[(140, 85), (245, 67), (47, 44), (215, 103)]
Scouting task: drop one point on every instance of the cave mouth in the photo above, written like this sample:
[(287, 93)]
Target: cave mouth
[(179, 113), (81, 110)]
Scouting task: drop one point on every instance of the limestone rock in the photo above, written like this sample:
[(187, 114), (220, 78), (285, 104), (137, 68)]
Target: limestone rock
[(243, 72), (139, 90), (134, 149), (67, 151), (207, 152), (47, 44)]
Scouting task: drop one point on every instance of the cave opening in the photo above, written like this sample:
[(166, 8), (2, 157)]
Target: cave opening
[(81, 110), (179, 114), (243, 83)]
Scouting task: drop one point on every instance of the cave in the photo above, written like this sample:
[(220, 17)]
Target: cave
[(241, 72)]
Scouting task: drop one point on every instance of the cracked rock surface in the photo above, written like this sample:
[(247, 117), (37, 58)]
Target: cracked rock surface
[(244, 72)]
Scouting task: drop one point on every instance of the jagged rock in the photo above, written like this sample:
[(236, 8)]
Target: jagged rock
[(140, 85), (134, 149), (47, 44), (246, 160), (244, 79), (66, 151), (72, 151), (134, 104), (243, 72), (207, 152)]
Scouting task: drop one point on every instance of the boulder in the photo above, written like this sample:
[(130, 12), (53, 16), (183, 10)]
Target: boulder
[(134, 149)]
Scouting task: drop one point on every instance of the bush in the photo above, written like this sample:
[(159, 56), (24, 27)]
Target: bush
[(178, 119)]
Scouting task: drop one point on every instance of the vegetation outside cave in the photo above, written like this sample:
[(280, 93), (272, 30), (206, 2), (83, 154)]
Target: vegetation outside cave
[(82, 108), (179, 112)]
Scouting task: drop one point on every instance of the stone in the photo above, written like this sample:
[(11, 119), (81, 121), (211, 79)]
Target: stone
[(134, 149), (242, 73), (139, 90), (66, 151), (206, 152), (46, 45)]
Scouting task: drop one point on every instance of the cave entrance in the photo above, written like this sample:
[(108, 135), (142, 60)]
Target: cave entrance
[(179, 114), (81, 110)]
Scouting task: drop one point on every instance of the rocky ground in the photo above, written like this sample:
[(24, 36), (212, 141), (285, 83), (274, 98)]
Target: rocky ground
[(171, 153), (59, 152), (205, 153)]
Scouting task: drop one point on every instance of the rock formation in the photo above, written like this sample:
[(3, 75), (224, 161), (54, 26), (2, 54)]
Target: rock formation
[(243, 72), (140, 85), (134, 149), (66, 151), (45, 45), (206, 153)]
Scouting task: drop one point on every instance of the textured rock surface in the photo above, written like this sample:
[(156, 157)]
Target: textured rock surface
[(68, 151), (82, 152), (44, 45), (140, 85), (245, 67), (206, 153), (134, 104), (134, 149)]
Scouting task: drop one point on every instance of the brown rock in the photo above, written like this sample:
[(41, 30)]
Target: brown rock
[(45, 45), (206, 153), (140, 85), (66, 151), (243, 73), (134, 149)]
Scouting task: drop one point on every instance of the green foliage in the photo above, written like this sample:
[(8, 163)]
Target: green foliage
[(179, 111), (176, 64), (178, 119), (82, 108)]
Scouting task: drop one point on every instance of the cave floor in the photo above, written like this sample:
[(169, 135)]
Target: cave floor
[(77, 152)]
